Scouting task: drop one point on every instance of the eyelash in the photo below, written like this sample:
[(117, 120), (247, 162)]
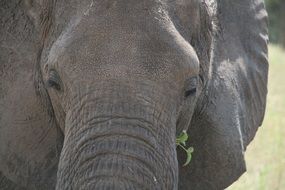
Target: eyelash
[(190, 92), (54, 80)]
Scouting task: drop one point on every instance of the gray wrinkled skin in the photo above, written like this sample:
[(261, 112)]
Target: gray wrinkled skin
[(94, 92)]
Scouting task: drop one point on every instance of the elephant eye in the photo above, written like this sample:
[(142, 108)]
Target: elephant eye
[(54, 80), (191, 87), (190, 92)]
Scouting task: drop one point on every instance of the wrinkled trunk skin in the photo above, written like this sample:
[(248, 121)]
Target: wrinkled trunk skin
[(117, 143)]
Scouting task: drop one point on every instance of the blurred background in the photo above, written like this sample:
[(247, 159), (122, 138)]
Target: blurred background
[(265, 156)]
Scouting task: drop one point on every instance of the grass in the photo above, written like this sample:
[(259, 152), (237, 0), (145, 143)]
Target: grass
[(265, 156)]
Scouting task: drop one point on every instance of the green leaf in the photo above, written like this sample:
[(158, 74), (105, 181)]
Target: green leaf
[(181, 142), (189, 152), (182, 138)]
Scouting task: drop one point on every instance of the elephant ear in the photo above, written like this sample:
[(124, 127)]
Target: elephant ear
[(232, 108), (30, 140)]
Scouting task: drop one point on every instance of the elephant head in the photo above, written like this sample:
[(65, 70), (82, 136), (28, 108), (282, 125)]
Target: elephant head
[(94, 93)]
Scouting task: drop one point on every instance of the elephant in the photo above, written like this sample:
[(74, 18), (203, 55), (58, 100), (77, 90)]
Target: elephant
[(94, 93)]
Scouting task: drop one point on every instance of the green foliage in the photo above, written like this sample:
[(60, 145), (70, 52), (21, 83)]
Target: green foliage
[(181, 142), (276, 11), (182, 138)]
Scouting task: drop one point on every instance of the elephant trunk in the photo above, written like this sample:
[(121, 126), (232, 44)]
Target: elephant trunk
[(123, 147)]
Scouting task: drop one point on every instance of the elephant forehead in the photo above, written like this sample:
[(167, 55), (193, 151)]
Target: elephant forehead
[(136, 54), (121, 42), (159, 53)]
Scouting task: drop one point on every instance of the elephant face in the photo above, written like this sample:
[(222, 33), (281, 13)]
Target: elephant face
[(138, 43), (114, 73), (126, 44), (112, 83)]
